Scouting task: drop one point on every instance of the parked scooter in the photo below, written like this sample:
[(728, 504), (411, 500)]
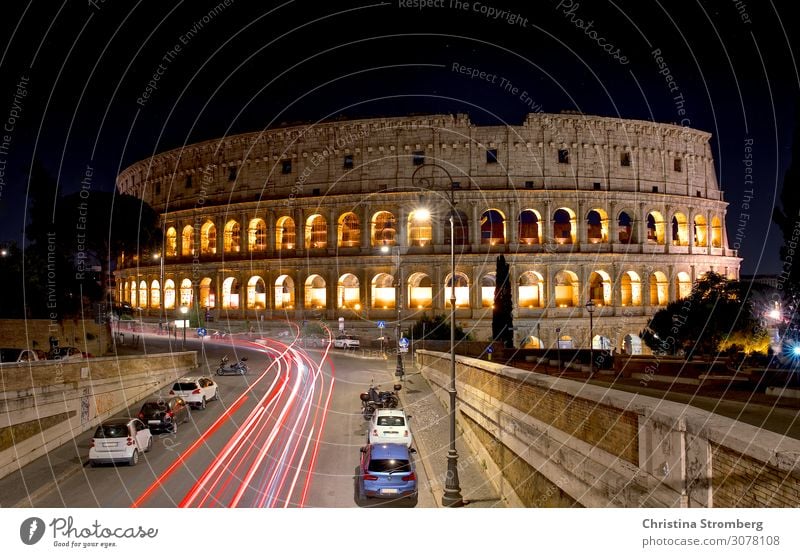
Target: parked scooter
[(375, 398), (237, 368)]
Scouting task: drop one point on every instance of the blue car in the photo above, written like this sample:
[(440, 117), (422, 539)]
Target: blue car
[(387, 471)]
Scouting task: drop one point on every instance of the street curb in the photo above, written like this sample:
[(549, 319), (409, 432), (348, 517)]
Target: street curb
[(436, 493), (30, 500)]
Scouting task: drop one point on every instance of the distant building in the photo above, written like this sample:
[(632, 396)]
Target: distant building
[(290, 222)]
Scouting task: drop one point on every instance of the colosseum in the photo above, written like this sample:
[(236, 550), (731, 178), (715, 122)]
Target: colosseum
[(326, 220)]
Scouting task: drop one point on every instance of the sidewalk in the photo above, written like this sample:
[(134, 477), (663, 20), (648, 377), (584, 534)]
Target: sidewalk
[(431, 429)]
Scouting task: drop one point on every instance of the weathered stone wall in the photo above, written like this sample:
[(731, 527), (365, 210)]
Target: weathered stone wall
[(46, 404), (559, 442), (84, 334)]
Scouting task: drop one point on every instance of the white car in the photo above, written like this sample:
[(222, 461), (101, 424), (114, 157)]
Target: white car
[(196, 391), (120, 440), (389, 425), (346, 341)]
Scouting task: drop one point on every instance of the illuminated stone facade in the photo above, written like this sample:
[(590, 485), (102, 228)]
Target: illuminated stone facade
[(290, 223)]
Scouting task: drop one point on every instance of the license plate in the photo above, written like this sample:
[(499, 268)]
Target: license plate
[(109, 444), (154, 422), (391, 433), (389, 491)]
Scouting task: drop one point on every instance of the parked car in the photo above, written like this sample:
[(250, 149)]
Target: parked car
[(21, 355), (164, 414), (67, 353), (387, 471), (120, 440), (315, 342), (389, 425), (346, 341), (196, 391)]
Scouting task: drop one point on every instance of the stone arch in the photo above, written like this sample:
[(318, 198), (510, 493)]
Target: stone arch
[(567, 289), (155, 294), (630, 289), (169, 294), (461, 290), (171, 243), (256, 293), (208, 238), (700, 231), (600, 342), (488, 285), (420, 291), (420, 229), (285, 233), (659, 289), (564, 230), (597, 226), (349, 231), (284, 292), (632, 345), (680, 230), (532, 342), (257, 235), (530, 292), (383, 229), (530, 227), (186, 293), (626, 233), (142, 294), (134, 295), (316, 232), (493, 227), (207, 294), (600, 288), (655, 228), (348, 292), (683, 285), (316, 292), (716, 232), (187, 241), (233, 237), (460, 228), (230, 293), (383, 291), (126, 292)]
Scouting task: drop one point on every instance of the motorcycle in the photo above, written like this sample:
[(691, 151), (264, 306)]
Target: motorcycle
[(238, 368), (375, 398)]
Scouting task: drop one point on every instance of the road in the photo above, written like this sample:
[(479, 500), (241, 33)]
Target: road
[(287, 434)]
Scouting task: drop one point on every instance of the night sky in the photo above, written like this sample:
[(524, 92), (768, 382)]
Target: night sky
[(74, 76)]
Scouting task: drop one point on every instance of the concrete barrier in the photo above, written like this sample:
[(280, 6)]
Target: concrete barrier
[(562, 443), (45, 404)]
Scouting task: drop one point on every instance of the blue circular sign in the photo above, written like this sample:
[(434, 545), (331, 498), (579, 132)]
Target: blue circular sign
[(404, 342), (201, 332)]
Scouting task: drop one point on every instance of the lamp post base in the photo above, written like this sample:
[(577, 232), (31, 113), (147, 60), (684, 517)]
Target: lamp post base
[(452, 488)]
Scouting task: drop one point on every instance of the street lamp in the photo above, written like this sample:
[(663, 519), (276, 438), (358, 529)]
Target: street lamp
[(160, 287), (590, 308), (452, 489), (184, 311), (399, 371)]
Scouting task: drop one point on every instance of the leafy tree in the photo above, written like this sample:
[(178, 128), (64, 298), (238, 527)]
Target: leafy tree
[(716, 315), (436, 328), (502, 320)]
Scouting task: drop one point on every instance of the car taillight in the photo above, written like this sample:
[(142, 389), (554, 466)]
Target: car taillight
[(141, 415), (369, 477), (375, 432), (405, 433), (410, 478), (170, 414), (130, 441), (196, 392), (91, 443)]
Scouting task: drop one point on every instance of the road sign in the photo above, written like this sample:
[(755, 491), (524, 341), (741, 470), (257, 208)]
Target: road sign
[(341, 324), (490, 350), (381, 324), (201, 332), (403, 343)]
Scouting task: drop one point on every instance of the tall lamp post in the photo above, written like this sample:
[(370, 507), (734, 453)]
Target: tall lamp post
[(184, 311), (452, 488), (399, 371), (590, 308), (161, 313)]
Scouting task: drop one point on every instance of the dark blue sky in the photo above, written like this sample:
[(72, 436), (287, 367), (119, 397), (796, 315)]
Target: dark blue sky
[(254, 64)]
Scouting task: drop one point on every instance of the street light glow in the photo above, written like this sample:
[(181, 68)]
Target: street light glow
[(385, 249), (422, 214), (775, 314), (796, 350)]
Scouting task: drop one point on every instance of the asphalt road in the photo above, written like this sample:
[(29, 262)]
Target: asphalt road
[(286, 435)]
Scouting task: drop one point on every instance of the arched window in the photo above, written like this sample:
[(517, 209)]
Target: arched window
[(563, 226), (186, 293), (230, 293), (257, 235), (600, 288), (630, 289), (169, 294), (680, 230), (208, 238), (488, 285), (316, 232), (172, 242), (700, 231), (348, 293), (126, 293), (493, 227), (349, 231), (207, 295), (256, 293), (530, 292), (420, 232), (384, 232), (716, 232), (155, 294), (683, 285), (134, 296), (530, 231), (461, 290), (284, 292), (233, 237), (597, 226), (143, 294), (316, 293), (625, 229), (567, 289), (632, 344), (532, 342), (655, 228), (383, 291), (460, 229), (187, 241), (420, 291), (285, 233), (659, 293)]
